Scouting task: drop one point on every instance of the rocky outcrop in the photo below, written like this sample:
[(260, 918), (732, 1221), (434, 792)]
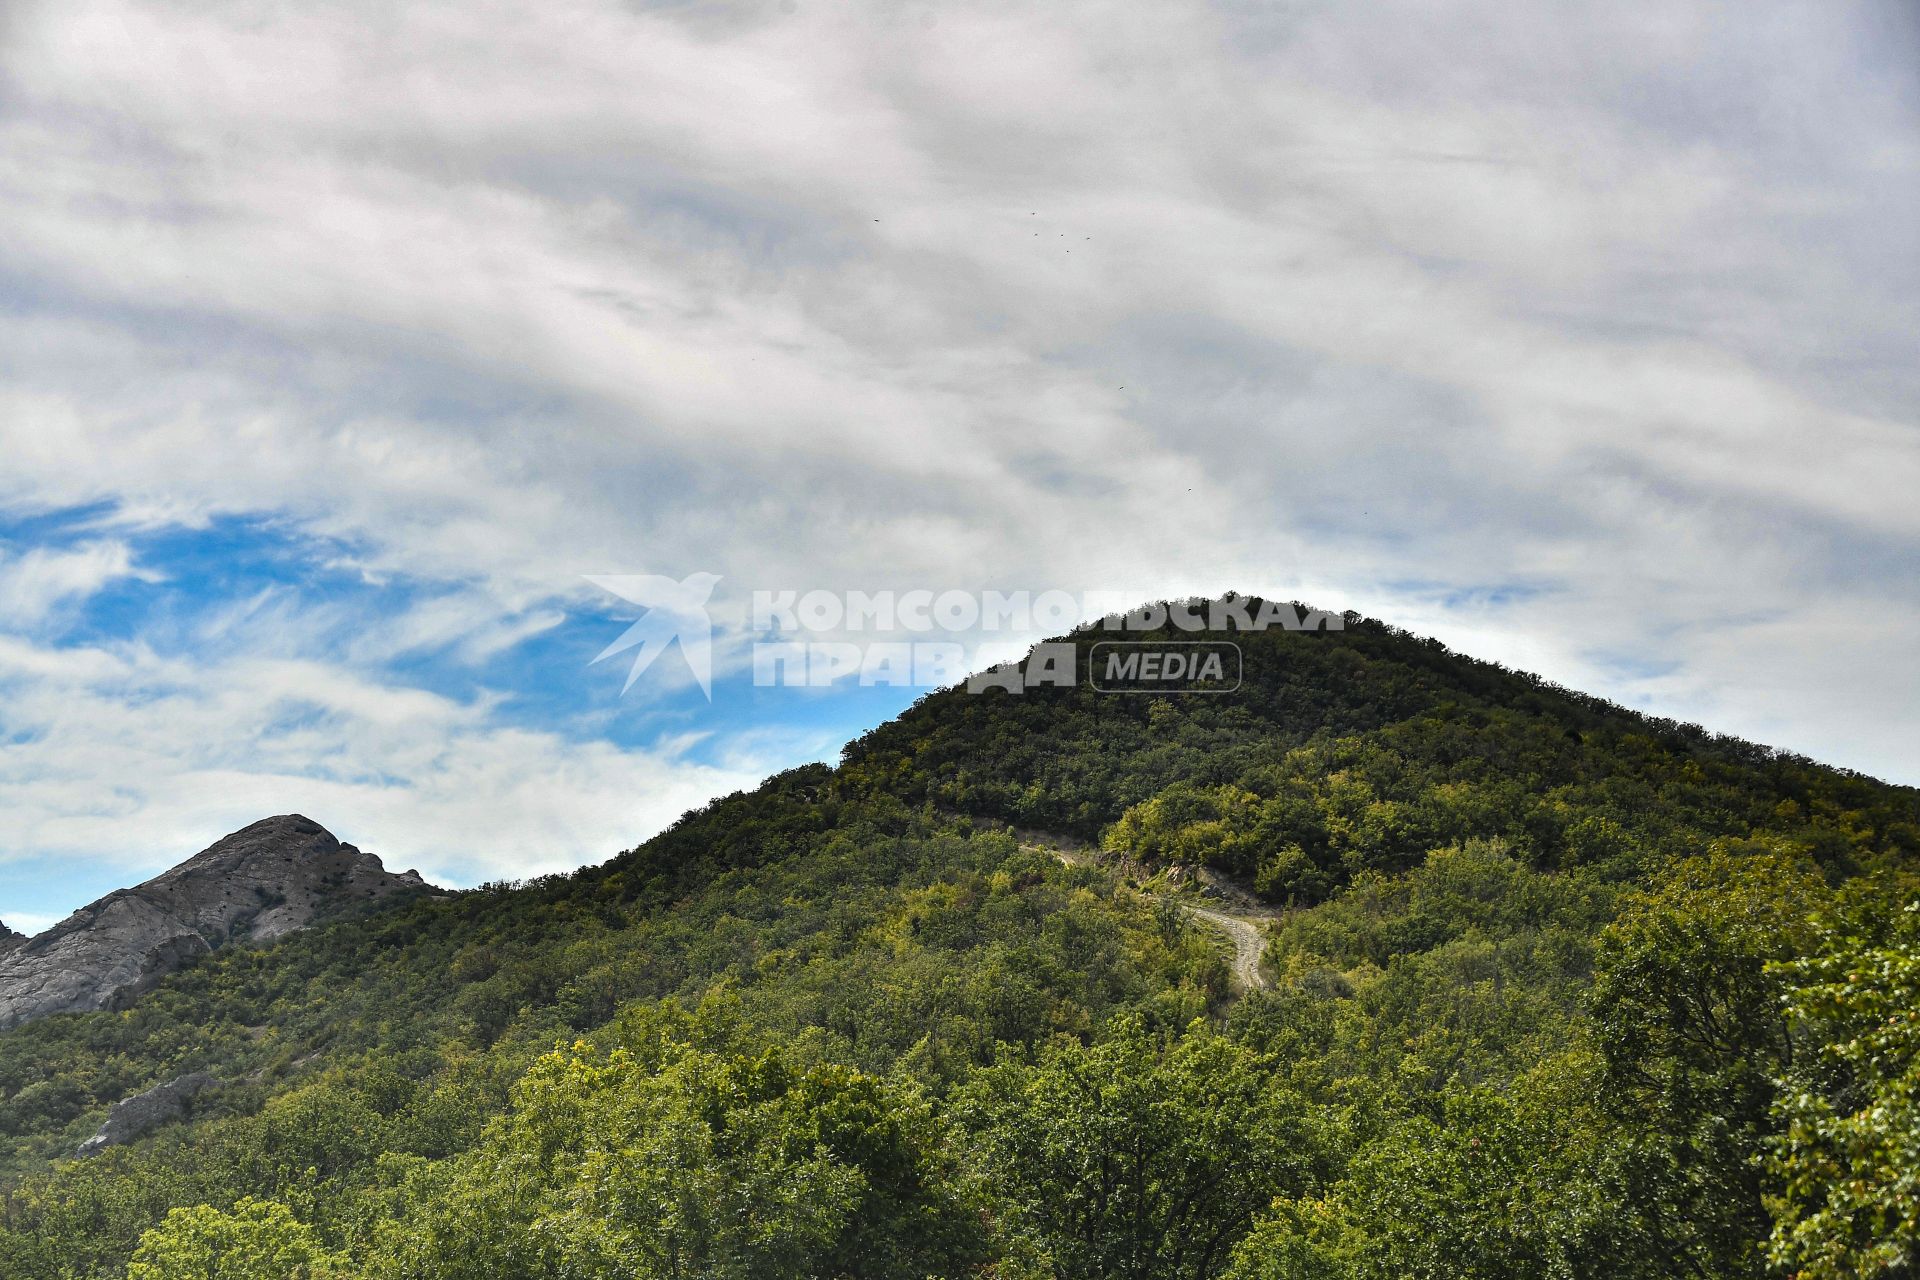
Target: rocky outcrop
[(9, 939), (141, 1114), (256, 885)]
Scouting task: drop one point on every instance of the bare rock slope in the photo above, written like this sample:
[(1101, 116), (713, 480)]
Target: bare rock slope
[(141, 1114), (256, 885)]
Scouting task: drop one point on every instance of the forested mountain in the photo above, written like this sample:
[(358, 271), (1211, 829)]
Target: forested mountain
[(1549, 989)]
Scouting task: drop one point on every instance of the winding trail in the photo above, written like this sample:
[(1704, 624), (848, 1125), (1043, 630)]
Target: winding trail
[(1242, 929), (1249, 944)]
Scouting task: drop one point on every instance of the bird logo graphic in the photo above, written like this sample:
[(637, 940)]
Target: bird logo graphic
[(675, 611)]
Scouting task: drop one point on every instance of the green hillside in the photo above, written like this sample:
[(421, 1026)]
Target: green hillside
[(1550, 989)]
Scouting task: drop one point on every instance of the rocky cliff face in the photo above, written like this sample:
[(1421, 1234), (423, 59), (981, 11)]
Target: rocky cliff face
[(141, 1114), (9, 939), (258, 884)]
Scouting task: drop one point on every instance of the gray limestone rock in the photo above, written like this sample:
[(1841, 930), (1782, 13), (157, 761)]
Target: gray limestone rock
[(256, 885), (141, 1114)]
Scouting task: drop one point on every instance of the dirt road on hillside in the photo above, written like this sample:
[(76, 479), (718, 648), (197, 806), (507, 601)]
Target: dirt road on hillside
[(1242, 929), (1249, 944)]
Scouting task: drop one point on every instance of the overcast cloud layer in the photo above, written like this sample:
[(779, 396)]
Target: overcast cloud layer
[(1582, 336)]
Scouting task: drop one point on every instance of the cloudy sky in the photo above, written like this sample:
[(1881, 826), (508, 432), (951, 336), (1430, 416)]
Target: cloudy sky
[(338, 341)]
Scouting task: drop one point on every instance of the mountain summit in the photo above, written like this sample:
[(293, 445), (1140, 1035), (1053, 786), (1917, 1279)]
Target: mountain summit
[(258, 884)]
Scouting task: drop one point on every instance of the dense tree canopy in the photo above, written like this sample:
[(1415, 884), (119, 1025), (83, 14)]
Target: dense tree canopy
[(1555, 990)]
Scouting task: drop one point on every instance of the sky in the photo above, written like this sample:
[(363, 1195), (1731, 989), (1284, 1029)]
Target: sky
[(340, 343)]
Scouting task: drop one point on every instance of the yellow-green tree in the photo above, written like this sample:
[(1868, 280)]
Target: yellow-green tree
[(612, 1167), (1848, 1161), (258, 1240)]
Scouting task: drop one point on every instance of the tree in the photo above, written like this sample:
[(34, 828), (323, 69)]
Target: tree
[(611, 1167), (1517, 1183), (1848, 1159), (1693, 1033), (1309, 1239), (1143, 1156), (259, 1240)]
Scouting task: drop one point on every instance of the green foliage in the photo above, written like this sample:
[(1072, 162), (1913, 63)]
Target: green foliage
[(1847, 1158), (1300, 1239), (1496, 1184), (1559, 991), (608, 1165), (1693, 1030), (1321, 815), (1143, 1155), (259, 1240)]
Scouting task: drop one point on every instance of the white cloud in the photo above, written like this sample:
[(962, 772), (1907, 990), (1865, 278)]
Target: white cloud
[(29, 922), (1378, 304), (144, 759), (41, 580)]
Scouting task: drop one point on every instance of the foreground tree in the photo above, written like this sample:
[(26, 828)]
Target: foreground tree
[(613, 1167), (1143, 1156), (1694, 1035), (259, 1240), (1848, 1159), (1515, 1183)]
